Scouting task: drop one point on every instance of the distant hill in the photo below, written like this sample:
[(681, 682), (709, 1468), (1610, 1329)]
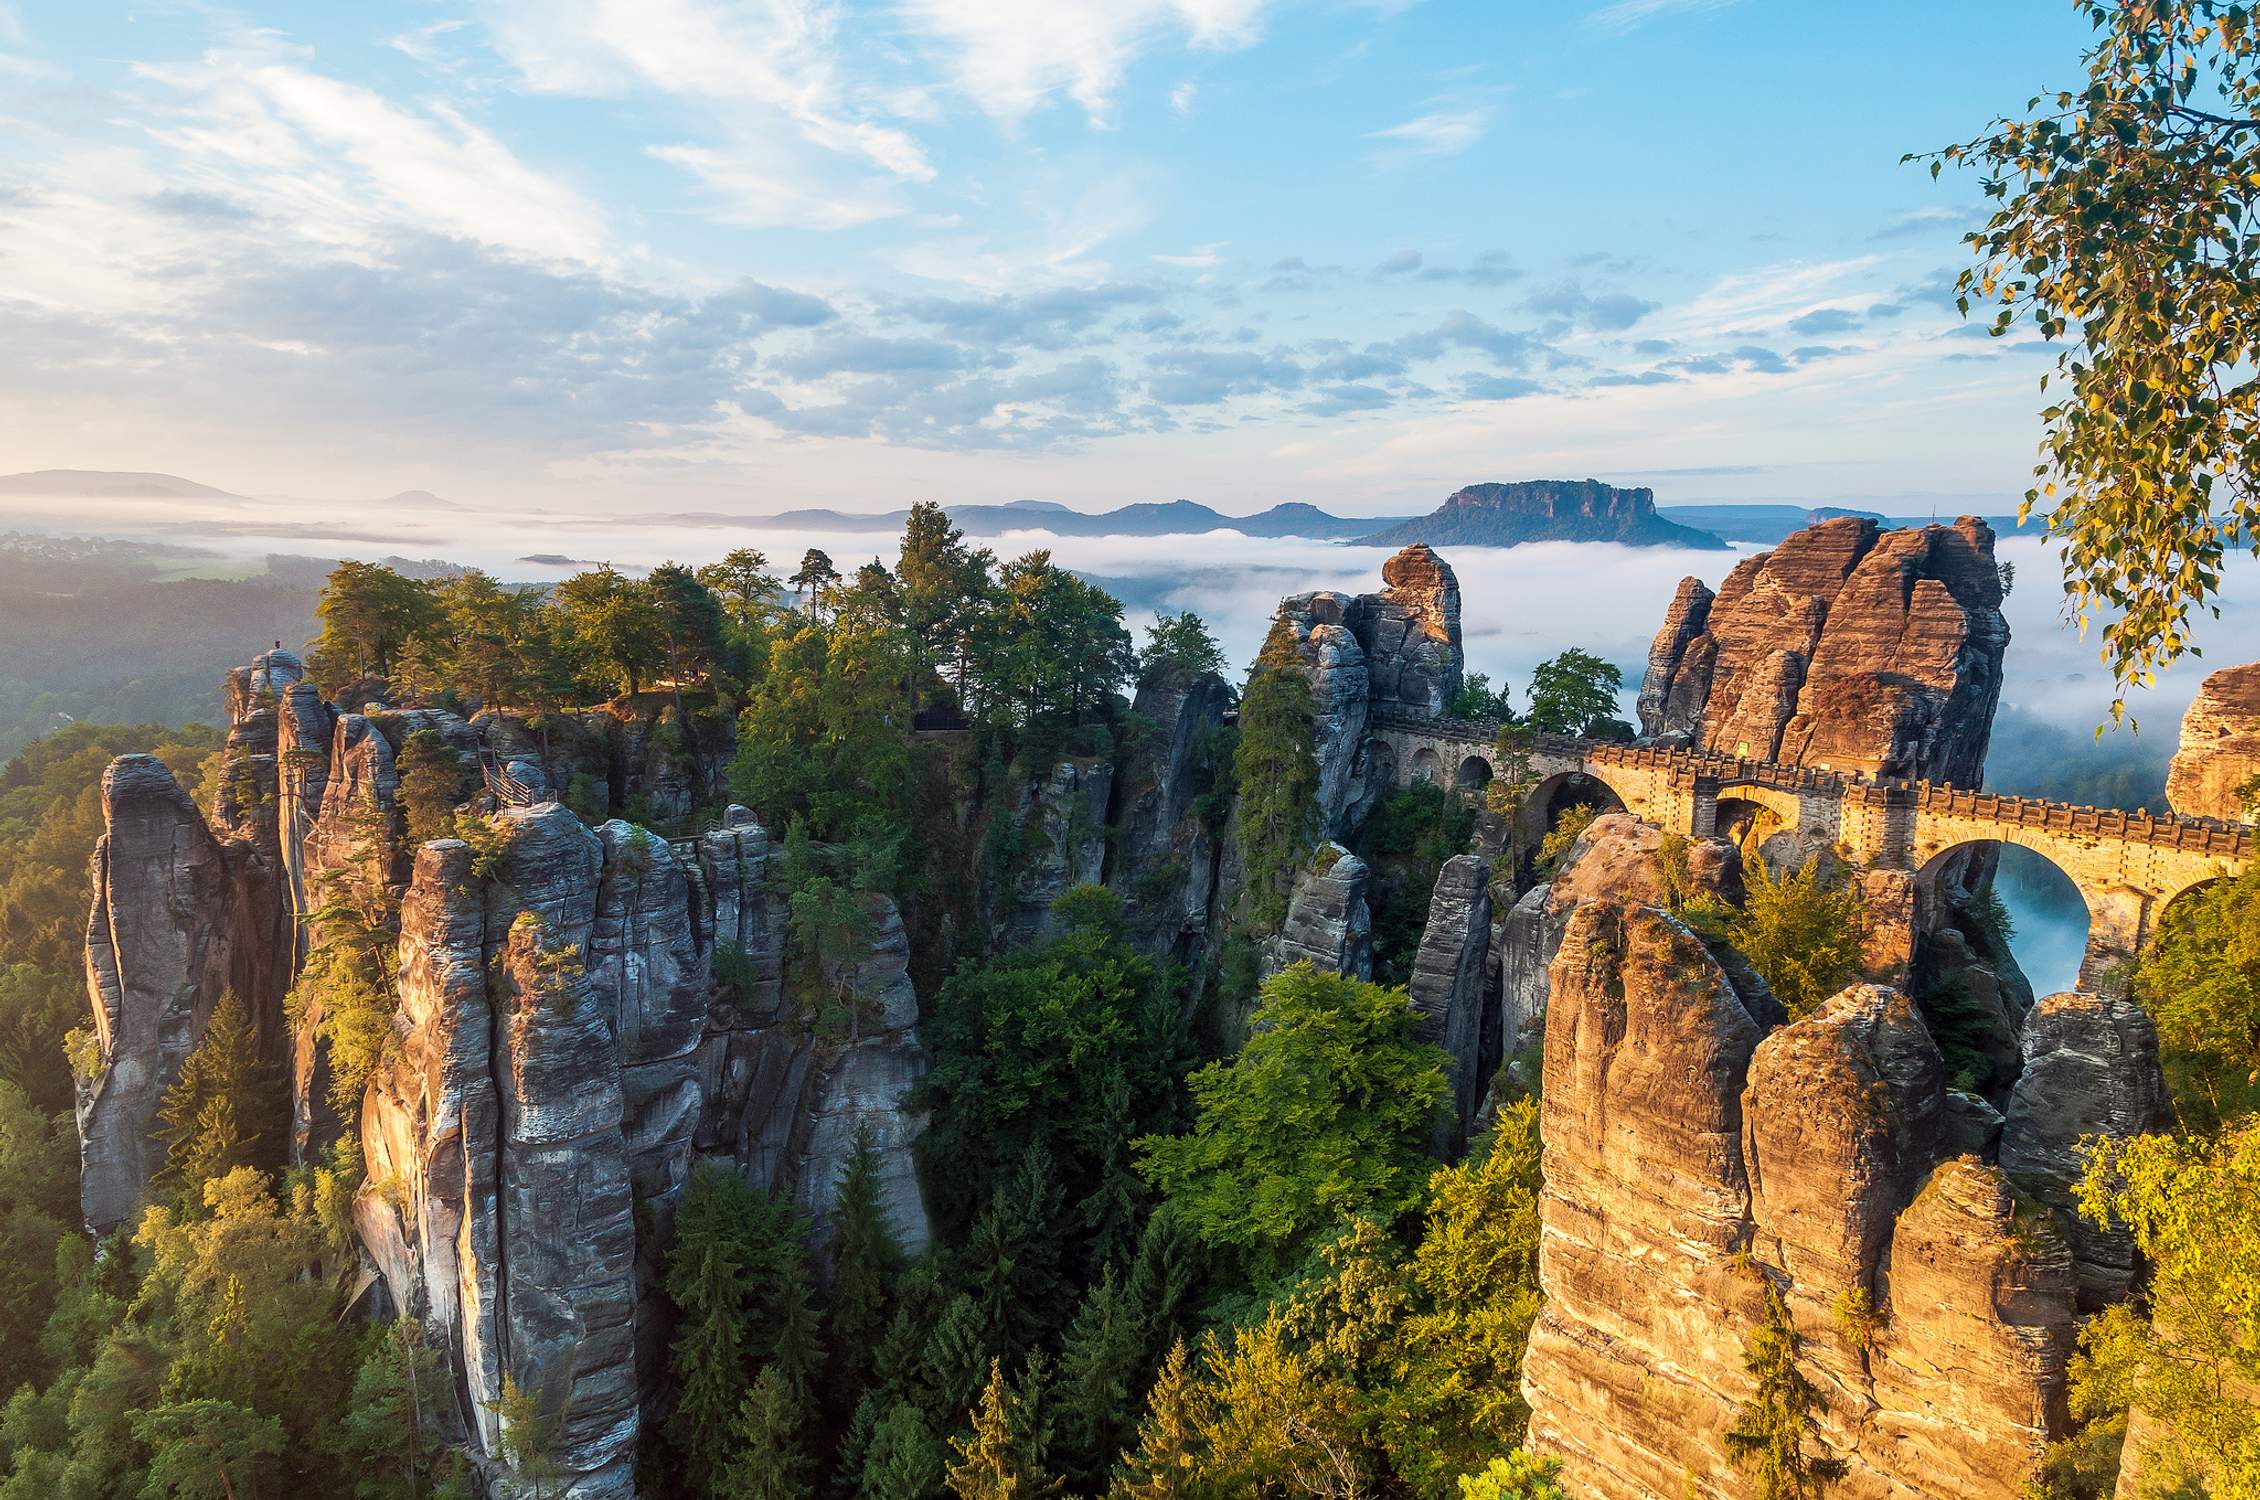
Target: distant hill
[(108, 484), (1148, 518), (1544, 510)]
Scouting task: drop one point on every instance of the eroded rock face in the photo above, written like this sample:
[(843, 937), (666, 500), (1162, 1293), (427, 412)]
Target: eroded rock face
[(1447, 984), (1410, 632), (1322, 625), (2220, 746), (1328, 922), (1165, 859), (1845, 646), (160, 951), (1689, 1153), (1062, 821), (2090, 1069)]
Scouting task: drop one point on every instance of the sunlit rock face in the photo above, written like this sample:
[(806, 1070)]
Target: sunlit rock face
[(1328, 924), (1845, 646), (1689, 1151), (2220, 747)]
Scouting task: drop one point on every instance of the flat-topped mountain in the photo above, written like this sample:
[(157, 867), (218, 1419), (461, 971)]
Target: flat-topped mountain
[(1544, 510)]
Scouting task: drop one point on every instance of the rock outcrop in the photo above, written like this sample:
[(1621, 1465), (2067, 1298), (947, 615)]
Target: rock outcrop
[(2090, 1069), (1846, 646), (1166, 836), (2220, 747), (1689, 1153), (1399, 649), (1328, 922), (1545, 510), (1448, 989), (1061, 822)]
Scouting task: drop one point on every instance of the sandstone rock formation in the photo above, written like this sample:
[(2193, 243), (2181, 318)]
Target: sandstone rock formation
[(1061, 819), (1689, 1151), (1545, 510), (2090, 1069), (2220, 747), (1447, 987), (1328, 923), (1166, 842), (1845, 646), (1398, 649)]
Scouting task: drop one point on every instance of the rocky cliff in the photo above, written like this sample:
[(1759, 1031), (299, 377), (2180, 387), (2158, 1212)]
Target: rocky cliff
[(2220, 747), (1544, 510), (1168, 824), (1846, 646), (1399, 648), (1694, 1144)]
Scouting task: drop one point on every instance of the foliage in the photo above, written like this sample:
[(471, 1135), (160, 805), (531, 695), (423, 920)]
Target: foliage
[(1801, 931), (1179, 642), (1325, 1113), (1572, 691), (2200, 981), (2192, 1365), (1477, 703), (1406, 839), (768, 1463), (1554, 848), (1518, 1476), (221, 1113), (37, 1010), (370, 616), (1770, 1432), (208, 1450), (866, 1259), (394, 1431), (1002, 1457), (1276, 769), (1854, 1311), (1074, 1047), (906, 1460), (2124, 226)]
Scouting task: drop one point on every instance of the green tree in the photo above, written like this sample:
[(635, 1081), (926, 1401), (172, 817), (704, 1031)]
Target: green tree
[(432, 777), (223, 1110), (2200, 981), (2188, 1355), (1002, 1458), (1476, 702), (1179, 642), (906, 1462), (1518, 1476), (690, 623), (1276, 768), (1062, 648), (866, 1259), (37, 1010), (1770, 1433), (612, 625), (370, 615), (816, 575), (394, 1431), (744, 584), (209, 1450), (2123, 227), (1325, 1113), (1171, 1451), (945, 590), (531, 1418), (1572, 692), (768, 1463), (1801, 931)]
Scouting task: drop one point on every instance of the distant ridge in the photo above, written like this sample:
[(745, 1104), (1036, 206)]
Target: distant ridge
[(109, 484), (1544, 510), (1147, 518)]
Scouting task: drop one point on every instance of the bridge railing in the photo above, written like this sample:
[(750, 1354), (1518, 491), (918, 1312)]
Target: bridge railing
[(2198, 835)]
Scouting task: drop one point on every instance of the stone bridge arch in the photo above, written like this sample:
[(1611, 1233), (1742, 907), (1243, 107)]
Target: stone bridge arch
[(1544, 804), (1726, 808)]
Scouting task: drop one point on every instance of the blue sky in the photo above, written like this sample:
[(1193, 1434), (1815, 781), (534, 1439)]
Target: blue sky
[(674, 253)]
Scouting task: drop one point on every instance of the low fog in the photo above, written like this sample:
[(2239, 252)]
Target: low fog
[(1520, 606)]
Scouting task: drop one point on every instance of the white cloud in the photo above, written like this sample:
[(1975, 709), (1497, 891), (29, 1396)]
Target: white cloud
[(1200, 258), (1008, 56), (1624, 15), (344, 165), (1181, 97), (1438, 133)]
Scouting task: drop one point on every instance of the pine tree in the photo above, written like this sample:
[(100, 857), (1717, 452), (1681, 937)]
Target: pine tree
[(1276, 767), (1770, 1432), (768, 1463), (865, 1261), (1168, 1464), (906, 1461), (1099, 1369), (1002, 1457), (1014, 1251), (390, 1435), (221, 1112), (956, 1356)]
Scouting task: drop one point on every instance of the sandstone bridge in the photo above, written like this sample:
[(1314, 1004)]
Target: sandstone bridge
[(1900, 834)]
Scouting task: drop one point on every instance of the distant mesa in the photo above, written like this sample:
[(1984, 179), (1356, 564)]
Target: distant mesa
[(108, 484), (418, 500), (556, 560), (1545, 510)]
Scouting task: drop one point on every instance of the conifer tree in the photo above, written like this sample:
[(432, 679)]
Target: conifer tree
[(1002, 1457), (221, 1112), (1168, 1464), (1100, 1370), (768, 1463), (865, 1261), (906, 1461), (1769, 1434), (1276, 767)]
